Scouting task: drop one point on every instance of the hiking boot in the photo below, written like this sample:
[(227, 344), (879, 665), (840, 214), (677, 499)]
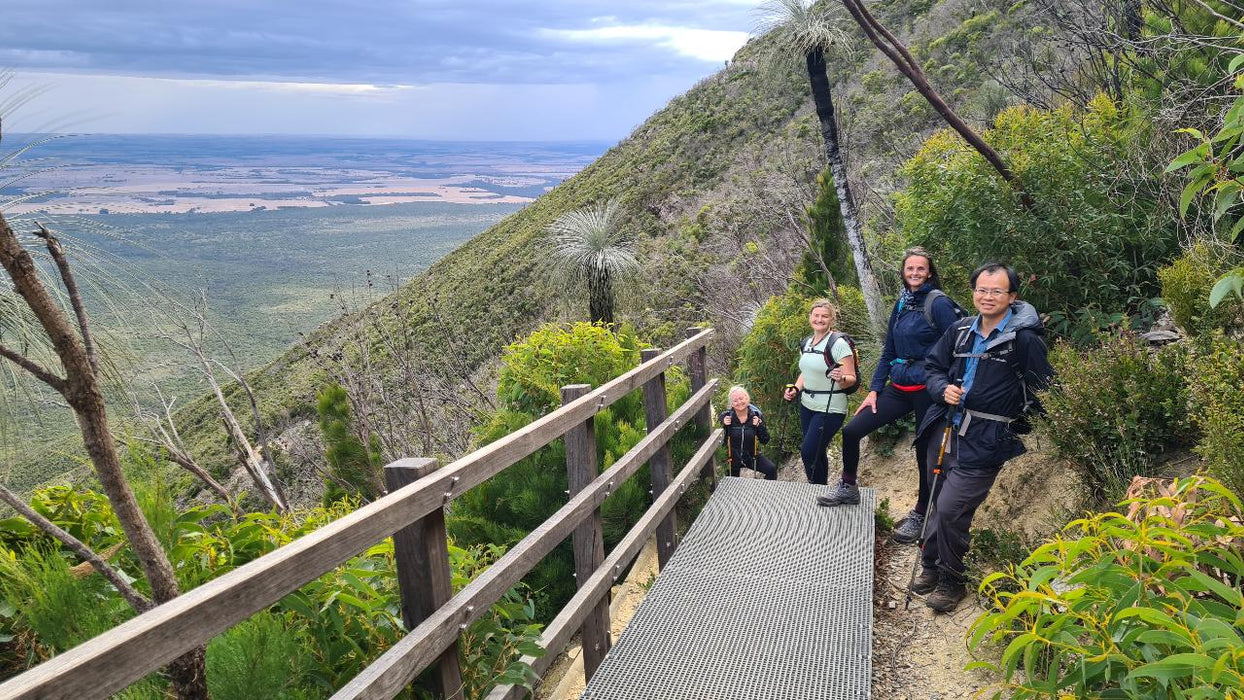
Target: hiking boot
[(926, 582), (946, 596), (908, 529), (842, 494)]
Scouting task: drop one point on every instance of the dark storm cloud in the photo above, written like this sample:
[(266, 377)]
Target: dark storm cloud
[(397, 42)]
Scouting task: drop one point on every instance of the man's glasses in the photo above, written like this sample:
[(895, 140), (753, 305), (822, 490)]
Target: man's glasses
[(991, 292)]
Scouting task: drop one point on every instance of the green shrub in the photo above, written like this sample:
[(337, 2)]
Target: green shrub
[(1186, 284), (55, 609), (1143, 605), (1217, 407), (256, 658), (356, 466), (1085, 255), (1113, 409), (329, 629), (513, 503), (769, 356)]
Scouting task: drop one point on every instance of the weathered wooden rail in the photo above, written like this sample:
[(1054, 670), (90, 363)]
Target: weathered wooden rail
[(413, 512)]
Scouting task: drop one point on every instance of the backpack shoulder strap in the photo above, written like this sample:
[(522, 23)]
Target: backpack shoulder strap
[(927, 306)]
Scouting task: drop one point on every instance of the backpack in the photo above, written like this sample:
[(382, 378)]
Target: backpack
[(1002, 352), (926, 307), (830, 364)]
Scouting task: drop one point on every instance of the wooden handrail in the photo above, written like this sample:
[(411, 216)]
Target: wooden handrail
[(387, 675), (557, 635), (128, 652)]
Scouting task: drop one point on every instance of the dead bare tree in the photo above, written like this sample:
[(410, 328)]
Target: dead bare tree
[(897, 52), (192, 335), (81, 388), (162, 429)]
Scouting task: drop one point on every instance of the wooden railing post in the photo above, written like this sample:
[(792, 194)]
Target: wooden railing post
[(659, 463), (697, 367), (589, 543), (421, 554)]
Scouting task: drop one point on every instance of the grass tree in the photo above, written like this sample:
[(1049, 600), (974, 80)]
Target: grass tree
[(590, 247), (805, 32)]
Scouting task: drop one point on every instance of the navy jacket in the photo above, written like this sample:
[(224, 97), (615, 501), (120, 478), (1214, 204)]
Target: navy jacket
[(1019, 350), (908, 337)]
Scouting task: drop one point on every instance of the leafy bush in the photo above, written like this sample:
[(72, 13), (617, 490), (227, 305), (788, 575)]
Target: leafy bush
[(1186, 285), (769, 355), (54, 607), (1217, 407), (317, 637), (1142, 604), (513, 503), (1114, 408), (1083, 252)]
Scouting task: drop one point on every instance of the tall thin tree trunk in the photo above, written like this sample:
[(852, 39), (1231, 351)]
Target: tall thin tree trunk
[(818, 77), (81, 389)]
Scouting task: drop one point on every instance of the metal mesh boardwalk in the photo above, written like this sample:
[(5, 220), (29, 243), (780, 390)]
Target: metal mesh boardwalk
[(769, 597)]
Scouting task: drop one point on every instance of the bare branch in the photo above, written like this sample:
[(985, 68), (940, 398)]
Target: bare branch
[(138, 601), (34, 368), (57, 251)]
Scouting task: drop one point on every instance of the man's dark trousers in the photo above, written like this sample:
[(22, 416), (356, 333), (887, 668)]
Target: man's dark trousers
[(959, 493)]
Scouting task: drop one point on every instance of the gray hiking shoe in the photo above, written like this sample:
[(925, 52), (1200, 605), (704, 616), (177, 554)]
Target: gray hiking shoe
[(842, 494), (946, 596), (908, 529), (926, 582)]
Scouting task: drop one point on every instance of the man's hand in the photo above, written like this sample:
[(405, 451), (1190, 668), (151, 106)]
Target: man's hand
[(953, 395), (869, 401)]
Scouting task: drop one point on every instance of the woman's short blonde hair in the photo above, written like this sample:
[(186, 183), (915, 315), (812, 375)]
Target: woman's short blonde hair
[(737, 389), (828, 306)]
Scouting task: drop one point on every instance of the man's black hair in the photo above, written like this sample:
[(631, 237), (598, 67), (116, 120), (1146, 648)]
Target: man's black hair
[(1011, 278)]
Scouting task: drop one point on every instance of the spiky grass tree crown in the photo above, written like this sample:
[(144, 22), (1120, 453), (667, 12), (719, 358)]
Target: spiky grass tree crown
[(590, 247), (805, 25)]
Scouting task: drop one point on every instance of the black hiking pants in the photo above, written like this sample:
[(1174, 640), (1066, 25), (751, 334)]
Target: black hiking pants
[(892, 404), (819, 429), (959, 493)]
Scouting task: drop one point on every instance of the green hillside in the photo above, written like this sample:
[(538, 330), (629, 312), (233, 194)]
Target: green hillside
[(706, 183)]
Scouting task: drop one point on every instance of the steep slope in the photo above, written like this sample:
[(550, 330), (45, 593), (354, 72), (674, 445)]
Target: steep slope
[(711, 184)]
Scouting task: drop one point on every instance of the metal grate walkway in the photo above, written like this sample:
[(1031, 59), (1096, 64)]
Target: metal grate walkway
[(769, 597)]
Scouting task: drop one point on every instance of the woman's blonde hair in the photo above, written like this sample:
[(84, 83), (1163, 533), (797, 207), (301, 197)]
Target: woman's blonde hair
[(737, 388), (828, 306)]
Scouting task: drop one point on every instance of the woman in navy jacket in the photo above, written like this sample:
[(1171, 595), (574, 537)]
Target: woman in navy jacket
[(918, 319)]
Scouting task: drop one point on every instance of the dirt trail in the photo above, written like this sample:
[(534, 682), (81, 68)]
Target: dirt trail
[(919, 654)]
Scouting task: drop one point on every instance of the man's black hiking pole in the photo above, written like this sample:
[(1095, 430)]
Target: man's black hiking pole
[(937, 474)]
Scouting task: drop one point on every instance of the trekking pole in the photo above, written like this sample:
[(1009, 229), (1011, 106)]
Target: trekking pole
[(937, 474), (755, 451)]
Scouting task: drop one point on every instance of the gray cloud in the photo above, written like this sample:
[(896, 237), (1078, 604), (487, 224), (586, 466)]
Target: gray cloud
[(410, 42)]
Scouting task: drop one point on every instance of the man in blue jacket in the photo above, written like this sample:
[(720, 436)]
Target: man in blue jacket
[(982, 374)]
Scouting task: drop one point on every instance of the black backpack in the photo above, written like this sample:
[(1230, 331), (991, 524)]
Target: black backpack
[(926, 307), (830, 363)]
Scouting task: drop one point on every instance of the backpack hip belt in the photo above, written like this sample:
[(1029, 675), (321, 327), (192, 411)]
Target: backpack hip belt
[(969, 414)]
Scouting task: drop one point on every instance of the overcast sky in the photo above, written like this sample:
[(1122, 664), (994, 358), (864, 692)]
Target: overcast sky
[(471, 69)]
